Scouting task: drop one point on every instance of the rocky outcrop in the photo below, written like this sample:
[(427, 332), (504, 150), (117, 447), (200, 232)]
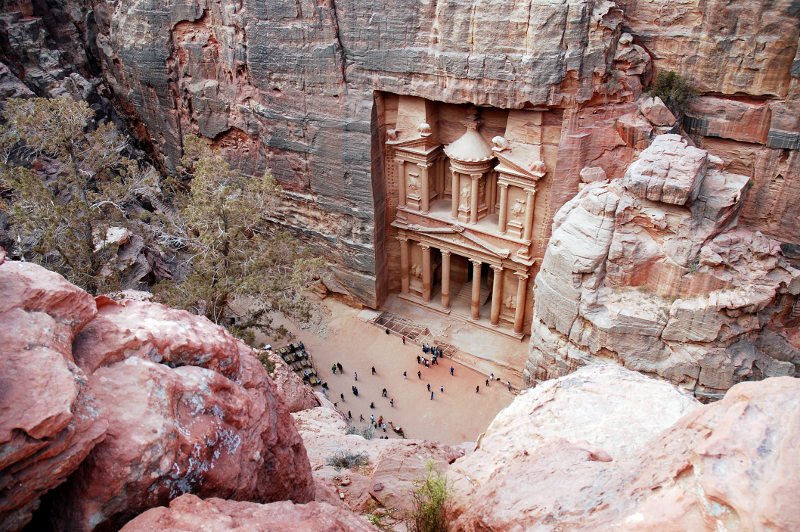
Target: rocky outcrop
[(726, 465), (392, 466), (649, 271), (132, 404), (48, 423), (188, 512), (296, 394), (591, 409)]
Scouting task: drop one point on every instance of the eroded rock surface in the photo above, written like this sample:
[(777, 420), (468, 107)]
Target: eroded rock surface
[(189, 512), (48, 424), (729, 465), (651, 272)]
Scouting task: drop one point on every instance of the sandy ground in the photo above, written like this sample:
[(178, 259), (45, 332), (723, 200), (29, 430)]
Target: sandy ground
[(454, 416)]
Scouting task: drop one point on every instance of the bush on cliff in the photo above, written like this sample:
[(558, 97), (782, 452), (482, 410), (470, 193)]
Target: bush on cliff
[(673, 89), (234, 253), (429, 502), (68, 183)]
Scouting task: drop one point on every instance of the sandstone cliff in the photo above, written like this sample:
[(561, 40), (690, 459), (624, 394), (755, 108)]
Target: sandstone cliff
[(111, 408), (650, 271), (297, 89)]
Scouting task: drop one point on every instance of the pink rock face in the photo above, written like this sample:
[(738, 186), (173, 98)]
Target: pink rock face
[(183, 430), (47, 425), (656, 112), (296, 394), (216, 515), (731, 465)]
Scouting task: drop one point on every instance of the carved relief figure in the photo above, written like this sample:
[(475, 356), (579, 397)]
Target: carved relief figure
[(416, 271), (464, 198), (510, 302), (518, 208), (413, 182)]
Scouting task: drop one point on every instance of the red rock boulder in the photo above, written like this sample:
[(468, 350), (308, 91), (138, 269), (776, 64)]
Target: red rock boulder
[(216, 515), (47, 424)]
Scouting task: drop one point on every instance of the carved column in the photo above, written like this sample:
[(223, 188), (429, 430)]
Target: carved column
[(529, 215), (473, 208), (455, 192), (426, 272), (497, 293), (426, 191), (519, 312), (401, 183), (476, 288), (492, 191), (503, 214), (445, 279), (404, 281)]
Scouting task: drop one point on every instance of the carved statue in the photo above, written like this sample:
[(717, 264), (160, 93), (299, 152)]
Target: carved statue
[(464, 197), (518, 208)]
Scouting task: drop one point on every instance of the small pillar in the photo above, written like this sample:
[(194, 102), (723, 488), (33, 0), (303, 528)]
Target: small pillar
[(401, 183), (529, 215), (503, 214), (473, 209), (497, 293), (445, 279), (519, 312), (455, 192), (404, 280), (426, 272), (426, 191), (476, 289)]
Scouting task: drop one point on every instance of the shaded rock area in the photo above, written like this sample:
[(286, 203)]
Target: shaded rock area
[(188, 512), (729, 465), (132, 404), (296, 394), (652, 272)]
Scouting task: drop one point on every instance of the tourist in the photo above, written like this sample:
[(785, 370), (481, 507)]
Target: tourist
[(491, 377), (477, 389), (380, 420), (342, 396), (429, 386), (383, 393), (341, 369), (419, 375), (371, 419), (302, 346), (487, 383), (361, 417), (383, 426), (349, 415), (452, 369), (355, 375), (509, 385), (418, 359), (431, 396), (373, 370), (427, 365), (372, 405), (391, 402), (404, 340), (388, 331), (355, 391), (333, 369), (441, 388), (405, 375)]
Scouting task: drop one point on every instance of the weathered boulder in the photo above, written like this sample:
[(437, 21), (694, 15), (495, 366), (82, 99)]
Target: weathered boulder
[(656, 112), (731, 465), (48, 424), (176, 431), (605, 410), (189, 512), (296, 394), (649, 271)]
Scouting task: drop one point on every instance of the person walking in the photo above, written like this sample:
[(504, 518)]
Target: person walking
[(383, 426), (373, 370), (355, 375), (349, 415), (361, 417), (404, 340), (372, 405), (477, 389), (355, 391), (487, 383), (491, 377), (419, 375), (391, 402), (431, 396), (380, 420), (384, 393), (371, 419), (429, 386), (508, 383), (441, 388), (418, 359), (405, 375), (452, 369), (342, 396), (341, 369), (333, 369)]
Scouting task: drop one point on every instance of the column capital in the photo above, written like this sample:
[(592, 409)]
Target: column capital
[(445, 252), (502, 184), (496, 267), (424, 165), (402, 238), (475, 262), (425, 247), (399, 160), (521, 275), (530, 191), (475, 177)]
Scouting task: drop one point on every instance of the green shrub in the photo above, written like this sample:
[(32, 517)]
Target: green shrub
[(348, 460), (429, 498), (673, 89), (269, 365)]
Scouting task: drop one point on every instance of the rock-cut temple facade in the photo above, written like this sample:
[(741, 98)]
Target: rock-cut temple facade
[(465, 213)]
